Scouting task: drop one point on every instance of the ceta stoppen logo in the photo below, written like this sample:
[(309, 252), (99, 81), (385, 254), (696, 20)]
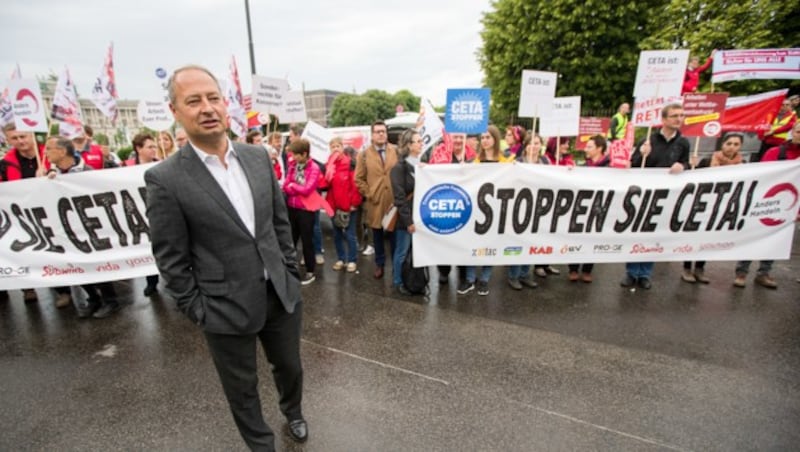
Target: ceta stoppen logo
[(445, 208), (770, 206)]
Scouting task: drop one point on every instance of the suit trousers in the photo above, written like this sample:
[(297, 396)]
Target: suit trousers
[(235, 359)]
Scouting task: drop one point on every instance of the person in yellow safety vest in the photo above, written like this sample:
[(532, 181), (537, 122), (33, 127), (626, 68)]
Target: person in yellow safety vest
[(778, 131), (619, 122)]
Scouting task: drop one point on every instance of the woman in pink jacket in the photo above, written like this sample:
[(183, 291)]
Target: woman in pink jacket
[(301, 184)]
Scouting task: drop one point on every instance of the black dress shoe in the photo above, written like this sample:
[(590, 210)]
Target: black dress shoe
[(298, 430), (378, 273)]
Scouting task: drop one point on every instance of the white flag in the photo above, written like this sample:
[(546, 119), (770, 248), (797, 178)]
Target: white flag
[(429, 125), (233, 93), (104, 91), (6, 109), (66, 107)]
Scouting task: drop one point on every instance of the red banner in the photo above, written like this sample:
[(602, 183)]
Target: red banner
[(589, 127), (704, 114)]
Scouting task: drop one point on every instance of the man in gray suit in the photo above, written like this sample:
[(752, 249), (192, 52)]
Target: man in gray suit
[(223, 244)]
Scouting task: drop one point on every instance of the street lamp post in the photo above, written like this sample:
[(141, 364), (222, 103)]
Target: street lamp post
[(250, 38)]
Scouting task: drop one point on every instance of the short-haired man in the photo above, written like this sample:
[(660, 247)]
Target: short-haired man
[(254, 137), (664, 148), (90, 152), (373, 167), (619, 123), (222, 241), (779, 129), (20, 162), (180, 137)]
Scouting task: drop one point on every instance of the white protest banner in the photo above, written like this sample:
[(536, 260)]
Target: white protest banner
[(564, 119), (647, 112), (764, 64), (544, 214), (537, 91), (268, 94), (293, 108), (27, 105), (319, 138), (74, 229), (154, 114), (429, 125), (660, 73)]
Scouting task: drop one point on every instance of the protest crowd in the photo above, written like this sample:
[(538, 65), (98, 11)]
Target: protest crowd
[(368, 196)]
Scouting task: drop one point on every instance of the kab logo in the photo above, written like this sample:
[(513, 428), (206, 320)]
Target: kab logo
[(539, 250), (512, 251)]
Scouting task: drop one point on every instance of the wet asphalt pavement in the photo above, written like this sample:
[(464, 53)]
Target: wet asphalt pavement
[(567, 366)]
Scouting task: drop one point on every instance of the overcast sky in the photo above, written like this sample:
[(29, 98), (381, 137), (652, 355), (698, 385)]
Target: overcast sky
[(425, 46)]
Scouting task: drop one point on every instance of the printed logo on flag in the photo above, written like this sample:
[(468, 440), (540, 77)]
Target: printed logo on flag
[(769, 206), (467, 110), (445, 208)]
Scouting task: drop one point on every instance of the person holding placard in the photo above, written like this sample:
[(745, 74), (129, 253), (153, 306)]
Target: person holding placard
[(596, 157), (693, 71), (519, 276), (558, 155), (90, 152), (102, 297), (20, 162), (515, 139), (664, 148), (489, 153), (373, 167), (779, 129)]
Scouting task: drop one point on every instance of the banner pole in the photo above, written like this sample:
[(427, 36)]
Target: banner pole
[(650, 129), (696, 151)]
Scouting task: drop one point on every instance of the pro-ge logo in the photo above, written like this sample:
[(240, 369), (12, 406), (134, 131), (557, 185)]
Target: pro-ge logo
[(445, 208)]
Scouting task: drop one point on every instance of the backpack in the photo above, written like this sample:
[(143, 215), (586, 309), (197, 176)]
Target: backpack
[(415, 280)]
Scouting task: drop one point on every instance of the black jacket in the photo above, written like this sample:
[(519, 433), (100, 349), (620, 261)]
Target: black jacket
[(663, 153), (402, 177)]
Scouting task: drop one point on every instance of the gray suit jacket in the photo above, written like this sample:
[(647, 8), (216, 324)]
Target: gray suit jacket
[(211, 264)]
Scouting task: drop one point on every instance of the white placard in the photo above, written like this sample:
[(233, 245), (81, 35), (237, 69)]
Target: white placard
[(28, 106), (154, 114), (564, 119), (293, 108), (537, 91), (268, 94), (660, 73), (647, 112), (730, 65), (319, 137), (545, 214)]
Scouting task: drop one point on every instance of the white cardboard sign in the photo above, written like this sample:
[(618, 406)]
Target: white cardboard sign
[(564, 119), (28, 105), (154, 114), (537, 91), (660, 73)]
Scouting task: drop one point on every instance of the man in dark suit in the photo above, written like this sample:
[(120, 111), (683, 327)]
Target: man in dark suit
[(223, 244)]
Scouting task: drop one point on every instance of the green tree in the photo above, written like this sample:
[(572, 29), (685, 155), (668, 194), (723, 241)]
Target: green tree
[(704, 25), (100, 138), (592, 44), (383, 102), (407, 99)]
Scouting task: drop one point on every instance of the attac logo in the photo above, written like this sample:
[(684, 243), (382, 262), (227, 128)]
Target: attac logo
[(445, 208), (512, 251), (571, 249), (482, 252), (540, 250), (770, 206)]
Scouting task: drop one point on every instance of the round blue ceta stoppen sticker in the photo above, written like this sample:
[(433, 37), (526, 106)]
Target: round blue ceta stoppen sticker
[(445, 208)]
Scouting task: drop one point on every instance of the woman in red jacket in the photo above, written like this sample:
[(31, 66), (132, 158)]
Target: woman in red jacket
[(344, 198)]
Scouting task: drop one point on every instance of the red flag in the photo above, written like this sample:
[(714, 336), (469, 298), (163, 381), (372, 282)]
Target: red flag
[(752, 113)]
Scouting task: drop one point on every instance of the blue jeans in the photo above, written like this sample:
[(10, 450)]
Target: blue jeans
[(518, 271), (486, 271), (764, 267), (348, 234), (380, 250), (402, 242), (317, 236), (638, 270)]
